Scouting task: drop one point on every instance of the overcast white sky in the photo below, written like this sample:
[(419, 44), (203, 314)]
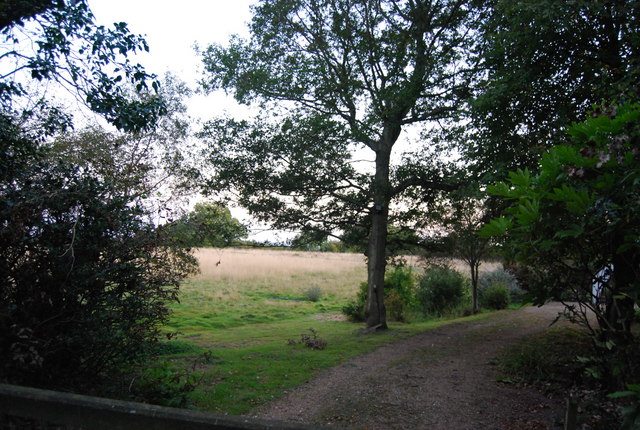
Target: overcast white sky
[(171, 29)]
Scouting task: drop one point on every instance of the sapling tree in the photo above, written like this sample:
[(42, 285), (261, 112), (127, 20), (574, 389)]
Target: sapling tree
[(464, 215), (333, 80)]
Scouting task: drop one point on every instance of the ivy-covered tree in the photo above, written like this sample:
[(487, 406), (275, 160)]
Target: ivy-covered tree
[(336, 81), (576, 225)]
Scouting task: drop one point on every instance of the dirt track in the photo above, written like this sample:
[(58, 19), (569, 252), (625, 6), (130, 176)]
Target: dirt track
[(441, 379)]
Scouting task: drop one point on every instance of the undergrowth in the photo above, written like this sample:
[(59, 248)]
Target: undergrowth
[(550, 357), (560, 361)]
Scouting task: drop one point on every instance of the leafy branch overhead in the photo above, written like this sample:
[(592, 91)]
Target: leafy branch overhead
[(89, 61)]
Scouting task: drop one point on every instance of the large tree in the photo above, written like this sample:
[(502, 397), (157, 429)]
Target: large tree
[(547, 62), (334, 78)]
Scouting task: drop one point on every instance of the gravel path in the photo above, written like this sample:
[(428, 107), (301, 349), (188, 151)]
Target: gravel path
[(441, 379)]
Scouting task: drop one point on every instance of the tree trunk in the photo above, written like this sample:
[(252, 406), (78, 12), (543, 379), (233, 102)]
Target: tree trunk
[(474, 265), (375, 312), (619, 312)]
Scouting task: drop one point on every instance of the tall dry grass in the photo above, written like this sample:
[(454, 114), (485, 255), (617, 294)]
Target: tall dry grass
[(243, 264), (226, 272)]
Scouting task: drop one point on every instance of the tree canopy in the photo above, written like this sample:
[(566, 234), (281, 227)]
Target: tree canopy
[(208, 224), (547, 62)]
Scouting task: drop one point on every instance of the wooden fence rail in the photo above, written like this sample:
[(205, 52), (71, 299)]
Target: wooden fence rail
[(87, 412)]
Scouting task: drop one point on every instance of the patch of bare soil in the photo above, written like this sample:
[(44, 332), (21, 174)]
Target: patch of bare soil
[(441, 379)]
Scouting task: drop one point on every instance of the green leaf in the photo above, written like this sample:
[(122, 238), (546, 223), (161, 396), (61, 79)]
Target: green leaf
[(495, 227), (528, 212), (521, 178), (574, 230)]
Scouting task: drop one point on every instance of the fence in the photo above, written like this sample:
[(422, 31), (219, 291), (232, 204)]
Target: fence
[(85, 412)]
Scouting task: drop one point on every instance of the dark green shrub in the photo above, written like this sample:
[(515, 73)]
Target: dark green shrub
[(501, 277), (85, 278), (441, 289), (495, 297), (399, 291), (164, 384), (354, 310)]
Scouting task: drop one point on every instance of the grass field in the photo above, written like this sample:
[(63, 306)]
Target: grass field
[(245, 306)]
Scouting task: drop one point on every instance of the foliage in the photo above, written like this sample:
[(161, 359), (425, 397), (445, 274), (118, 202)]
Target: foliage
[(583, 53), (209, 224), (630, 413), (164, 384), (495, 296), (313, 294), (88, 60), (314, 240), (354, 310), (85, 279), (336, 77), (461, 215), (441, 289), (400, 296), (154, 166), (551, 356), (579, 215), (502, 278), (400, 292)]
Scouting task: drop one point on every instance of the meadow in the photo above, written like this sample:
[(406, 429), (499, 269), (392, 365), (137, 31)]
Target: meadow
[(240, 321)]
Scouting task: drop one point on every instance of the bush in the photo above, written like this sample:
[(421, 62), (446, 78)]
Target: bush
[(441, 289), (313, 294), (354, 310), (495, 297), (500, 278), (399, 290), (85, 278), (165, 385)]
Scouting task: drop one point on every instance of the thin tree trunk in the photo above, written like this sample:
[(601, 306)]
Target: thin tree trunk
[(620, 305), (474, 286)]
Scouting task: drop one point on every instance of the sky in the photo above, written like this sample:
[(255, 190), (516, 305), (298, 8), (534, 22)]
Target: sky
[(171, 29)]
